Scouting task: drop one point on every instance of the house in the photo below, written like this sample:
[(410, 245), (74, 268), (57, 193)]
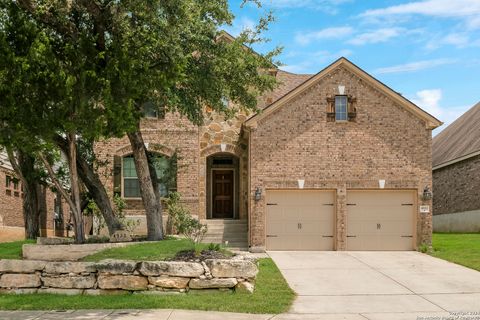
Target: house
[(334, 161), (11, 207), (456, 175)]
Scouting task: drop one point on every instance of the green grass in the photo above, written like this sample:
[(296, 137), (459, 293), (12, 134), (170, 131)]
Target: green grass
[(272, 295), (460, 248), (149, 251), (12, 250)]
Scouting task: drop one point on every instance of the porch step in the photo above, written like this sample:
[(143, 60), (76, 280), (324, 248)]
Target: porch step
[(233, 231)]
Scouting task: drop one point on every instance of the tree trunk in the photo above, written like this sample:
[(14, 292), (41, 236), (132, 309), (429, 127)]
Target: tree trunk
[(148, 186), (75, 189), (95, 187), (24, 166)]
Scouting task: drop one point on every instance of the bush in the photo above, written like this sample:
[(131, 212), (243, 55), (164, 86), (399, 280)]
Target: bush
[(182, 220)]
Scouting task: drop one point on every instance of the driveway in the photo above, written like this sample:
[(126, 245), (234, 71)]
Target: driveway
[(377, 285)]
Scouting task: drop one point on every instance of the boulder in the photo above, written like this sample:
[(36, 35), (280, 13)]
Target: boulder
[(169, 282), (68, 292), (20, 281), (245, 287), (19, 291), (122, 282), (212, 283), (70, 282), (70, 267), (21, 266), (223, 268), (98, 292), (116, 266), (171, 268)]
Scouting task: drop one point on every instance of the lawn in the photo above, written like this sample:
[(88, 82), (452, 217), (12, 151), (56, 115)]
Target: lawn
[(461, 248), (272, 295), (12, 250), (150, 251)]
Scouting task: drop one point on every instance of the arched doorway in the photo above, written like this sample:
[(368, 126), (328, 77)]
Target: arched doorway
[(222, 186)]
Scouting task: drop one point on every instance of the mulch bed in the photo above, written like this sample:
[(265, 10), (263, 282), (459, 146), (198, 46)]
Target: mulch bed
[(190, 256)]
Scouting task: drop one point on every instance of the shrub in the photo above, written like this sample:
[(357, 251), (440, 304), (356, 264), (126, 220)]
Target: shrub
[(182, 220)]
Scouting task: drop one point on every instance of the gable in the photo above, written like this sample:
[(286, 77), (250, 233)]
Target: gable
[(430, 121)]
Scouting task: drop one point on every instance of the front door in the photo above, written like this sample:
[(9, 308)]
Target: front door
[(222, 194)]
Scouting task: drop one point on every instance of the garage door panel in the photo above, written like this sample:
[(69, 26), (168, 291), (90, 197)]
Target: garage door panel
[(300, 220), (380, 220)]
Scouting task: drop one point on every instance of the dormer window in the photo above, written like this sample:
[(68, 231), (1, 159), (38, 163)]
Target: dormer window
[(341, 108)]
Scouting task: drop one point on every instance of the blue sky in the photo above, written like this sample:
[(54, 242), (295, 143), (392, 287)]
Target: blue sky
[(427, 50)]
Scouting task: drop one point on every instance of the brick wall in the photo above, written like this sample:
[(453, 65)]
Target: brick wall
[(296, 142), (456, 187)]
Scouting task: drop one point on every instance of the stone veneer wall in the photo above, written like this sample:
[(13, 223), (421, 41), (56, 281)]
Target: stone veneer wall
[(120, 277)]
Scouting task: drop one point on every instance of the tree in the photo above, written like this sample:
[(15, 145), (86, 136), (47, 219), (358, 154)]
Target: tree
[(118, 55)]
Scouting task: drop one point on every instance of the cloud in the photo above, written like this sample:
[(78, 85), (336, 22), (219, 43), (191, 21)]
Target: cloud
[(240, 24), (459, 40), (311, 61), (327, 6), (414, 66), (328, 33), (437, 8), (429, 101), (377, 36)]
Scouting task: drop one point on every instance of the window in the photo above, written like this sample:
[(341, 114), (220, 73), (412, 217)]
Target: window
[(341, 108), (150, 110), (166, 175)]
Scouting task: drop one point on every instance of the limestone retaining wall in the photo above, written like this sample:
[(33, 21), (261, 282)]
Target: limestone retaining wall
[(122, 277)]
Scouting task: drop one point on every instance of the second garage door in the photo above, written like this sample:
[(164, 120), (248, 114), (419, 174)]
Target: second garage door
[(300, 220), (380, 220)]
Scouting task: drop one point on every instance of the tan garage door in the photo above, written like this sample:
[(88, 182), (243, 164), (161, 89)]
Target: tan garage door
[(380, 220), (300, 220)]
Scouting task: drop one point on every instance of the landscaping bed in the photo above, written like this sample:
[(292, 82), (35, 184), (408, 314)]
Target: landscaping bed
[(460, 248)]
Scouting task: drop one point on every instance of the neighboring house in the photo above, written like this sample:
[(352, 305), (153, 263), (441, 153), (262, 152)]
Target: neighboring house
[(11, 207), (334, 161), (456, 175)]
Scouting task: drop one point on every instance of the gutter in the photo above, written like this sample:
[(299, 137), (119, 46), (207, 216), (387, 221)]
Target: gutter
[(448, 163)]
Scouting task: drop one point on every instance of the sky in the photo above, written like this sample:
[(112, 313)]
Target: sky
[(428, 50)]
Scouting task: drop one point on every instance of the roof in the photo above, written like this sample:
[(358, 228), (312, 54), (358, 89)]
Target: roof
[(430, 121), (287, 82), (4, 162), (459, 141)]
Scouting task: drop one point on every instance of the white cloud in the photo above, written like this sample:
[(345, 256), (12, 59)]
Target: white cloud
[(459, 40), (377, 36), (429, 101), (328, 33), (437, 8), (311, 62), (239, 25), (327, 6), (414, 66)]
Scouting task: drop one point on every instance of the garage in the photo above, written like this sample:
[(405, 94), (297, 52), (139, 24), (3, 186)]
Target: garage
[(300, 220), (380, 220)]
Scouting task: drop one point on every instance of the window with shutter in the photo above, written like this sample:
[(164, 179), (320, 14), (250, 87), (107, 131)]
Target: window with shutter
[(341, 108)]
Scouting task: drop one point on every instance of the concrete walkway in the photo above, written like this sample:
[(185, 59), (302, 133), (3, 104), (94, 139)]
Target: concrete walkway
[(378, 285)]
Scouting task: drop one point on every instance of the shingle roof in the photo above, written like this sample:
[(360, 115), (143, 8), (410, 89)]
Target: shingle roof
[(287, 82), (459, 140)]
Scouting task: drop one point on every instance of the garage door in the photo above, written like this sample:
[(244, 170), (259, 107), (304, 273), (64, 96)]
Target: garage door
[(300, 220), (380, 220)]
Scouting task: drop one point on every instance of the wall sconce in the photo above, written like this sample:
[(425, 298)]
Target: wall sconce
[(258, 194), (427, 193), (341, 90), (381, 184), (223, 147), (301, 183)]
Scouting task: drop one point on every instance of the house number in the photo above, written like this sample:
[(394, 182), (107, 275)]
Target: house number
[(424, 209)]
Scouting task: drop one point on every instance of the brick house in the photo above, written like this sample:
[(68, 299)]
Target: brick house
[(334, 161), (11, 207), (456, 175)]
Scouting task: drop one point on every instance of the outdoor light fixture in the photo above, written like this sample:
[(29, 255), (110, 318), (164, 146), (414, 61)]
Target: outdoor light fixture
[(223, 147), (341, 90), (258, 194), (381, 184), (427, 193), (301, 183)]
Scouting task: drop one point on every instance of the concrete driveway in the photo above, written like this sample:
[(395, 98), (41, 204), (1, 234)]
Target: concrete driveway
[(377, 285)]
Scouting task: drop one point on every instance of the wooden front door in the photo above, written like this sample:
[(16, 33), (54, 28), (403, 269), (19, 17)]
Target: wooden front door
[(222, 194)]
